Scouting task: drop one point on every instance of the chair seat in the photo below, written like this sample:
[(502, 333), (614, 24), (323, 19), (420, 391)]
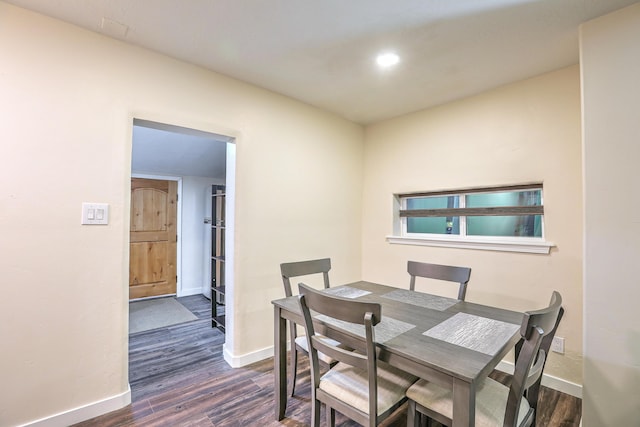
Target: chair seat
[(302, 343), (491, 401), (350, 385)]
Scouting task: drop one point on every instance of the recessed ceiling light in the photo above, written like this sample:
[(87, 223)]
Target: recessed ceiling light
[(387, 59)]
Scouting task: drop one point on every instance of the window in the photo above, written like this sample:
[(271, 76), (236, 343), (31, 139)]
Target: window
[(496, 218)]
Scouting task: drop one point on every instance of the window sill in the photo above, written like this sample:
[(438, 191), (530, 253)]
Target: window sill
[(533, 246)]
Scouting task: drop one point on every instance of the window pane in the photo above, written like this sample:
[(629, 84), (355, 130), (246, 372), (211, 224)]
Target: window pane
[(437, 202), (433, 225), (512, 226), (510, 198)]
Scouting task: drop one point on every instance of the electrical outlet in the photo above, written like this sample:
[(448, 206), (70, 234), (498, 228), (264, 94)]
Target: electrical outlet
[(557, 345)]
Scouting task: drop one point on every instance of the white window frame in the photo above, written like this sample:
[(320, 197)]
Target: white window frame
[(400, 235)]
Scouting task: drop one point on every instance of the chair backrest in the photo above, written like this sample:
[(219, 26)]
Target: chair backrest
[(304, 268), (448, 273), (348, 310), (537, 330)]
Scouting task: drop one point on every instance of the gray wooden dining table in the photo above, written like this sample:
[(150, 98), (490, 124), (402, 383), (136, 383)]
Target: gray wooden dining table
[(453, 343)]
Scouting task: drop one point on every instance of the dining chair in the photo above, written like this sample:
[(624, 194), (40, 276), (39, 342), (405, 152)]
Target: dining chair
[(440, 272), (534, 390), (496, 404), (359, 386), (299, 344)]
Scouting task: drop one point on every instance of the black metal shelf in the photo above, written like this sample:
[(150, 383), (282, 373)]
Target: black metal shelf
[(218, 322), (217, 257)]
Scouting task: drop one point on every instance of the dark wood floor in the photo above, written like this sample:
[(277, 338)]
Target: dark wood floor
[(178, 378)]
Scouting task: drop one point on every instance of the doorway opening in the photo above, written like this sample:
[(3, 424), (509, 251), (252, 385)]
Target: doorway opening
[(193, 161)]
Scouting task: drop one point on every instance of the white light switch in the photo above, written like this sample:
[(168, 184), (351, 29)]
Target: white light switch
[(95, 213)]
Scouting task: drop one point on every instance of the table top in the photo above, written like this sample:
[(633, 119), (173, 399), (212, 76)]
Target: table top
[(424, 333)]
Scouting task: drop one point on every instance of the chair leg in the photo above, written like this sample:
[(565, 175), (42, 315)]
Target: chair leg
[(293, 368), (412, 419), (427, 421), (331, 416), (315, 412)]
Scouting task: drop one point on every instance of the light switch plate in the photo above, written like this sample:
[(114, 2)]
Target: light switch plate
[(95, 213)]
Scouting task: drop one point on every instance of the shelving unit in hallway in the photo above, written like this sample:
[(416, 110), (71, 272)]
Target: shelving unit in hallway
[(218, 196)]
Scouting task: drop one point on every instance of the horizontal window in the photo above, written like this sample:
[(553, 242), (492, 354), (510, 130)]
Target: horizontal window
[(513, 214)]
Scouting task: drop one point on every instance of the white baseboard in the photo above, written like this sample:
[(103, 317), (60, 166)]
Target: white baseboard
[(246, 359), (190, 291), (85, 412), (550, 381)]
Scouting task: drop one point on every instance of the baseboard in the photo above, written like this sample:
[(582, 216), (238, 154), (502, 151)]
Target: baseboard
[(190, 291), (246, 359), (550, 381), (85, 412)]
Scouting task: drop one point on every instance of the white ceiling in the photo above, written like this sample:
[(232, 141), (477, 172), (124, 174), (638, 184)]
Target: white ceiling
[(160, 149), (322, 52)]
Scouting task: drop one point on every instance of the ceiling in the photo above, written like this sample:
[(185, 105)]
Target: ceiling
[(160, 149), (322, 52)]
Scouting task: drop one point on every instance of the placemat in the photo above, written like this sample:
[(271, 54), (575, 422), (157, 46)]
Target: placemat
[(474, 332), (433, 302), (347, 292), (387, 329)]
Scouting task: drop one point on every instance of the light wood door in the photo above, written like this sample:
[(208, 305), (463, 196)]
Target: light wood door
[(152, 250)]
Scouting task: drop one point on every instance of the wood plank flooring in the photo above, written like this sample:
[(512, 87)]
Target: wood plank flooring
[(179, 378)]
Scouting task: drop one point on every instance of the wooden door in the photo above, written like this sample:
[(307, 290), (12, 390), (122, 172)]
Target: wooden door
[(152, 247)]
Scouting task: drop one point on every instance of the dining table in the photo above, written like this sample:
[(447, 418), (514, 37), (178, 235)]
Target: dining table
[(453, 343)]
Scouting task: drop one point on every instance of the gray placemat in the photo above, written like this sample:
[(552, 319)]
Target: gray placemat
[(347, 292), (433, 302), (387, 329), (474, 332)]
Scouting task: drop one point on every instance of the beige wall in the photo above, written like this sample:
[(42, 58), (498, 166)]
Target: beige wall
[(67, 100), (68, 97), (610, 61), (524, 132)]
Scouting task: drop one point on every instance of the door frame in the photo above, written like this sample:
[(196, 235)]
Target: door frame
[(232, 137), (178, 224)]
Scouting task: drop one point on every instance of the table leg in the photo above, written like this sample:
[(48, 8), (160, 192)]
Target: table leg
[(280, 363), (464, 404)]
